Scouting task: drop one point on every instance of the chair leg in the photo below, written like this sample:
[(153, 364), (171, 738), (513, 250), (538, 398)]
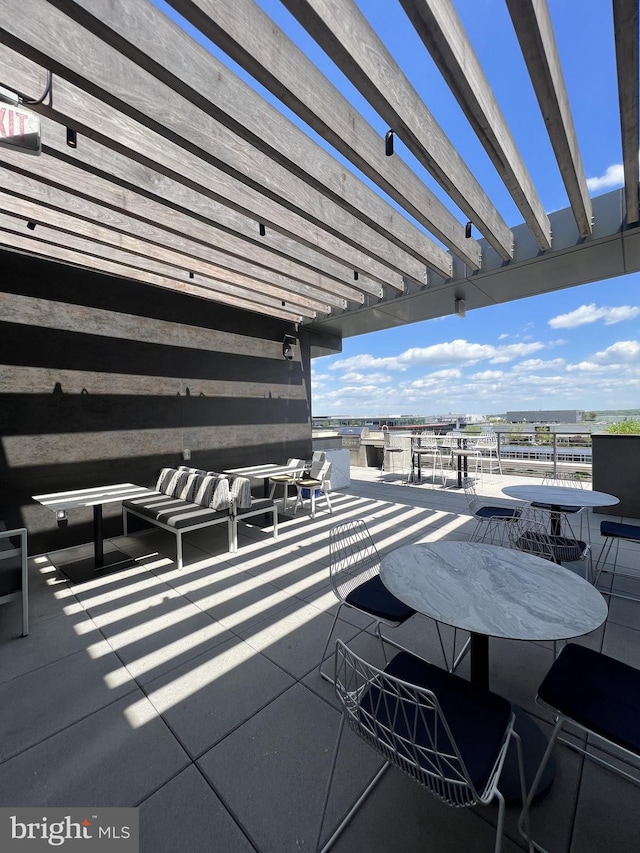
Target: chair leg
[(179, 550), (354, 808), (523, 822), (326, 646)]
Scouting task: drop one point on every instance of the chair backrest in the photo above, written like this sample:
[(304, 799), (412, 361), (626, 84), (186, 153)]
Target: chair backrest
[(353, 557), (406, 725), (469, 486), (299, 463), (318, 465), (569, 479), (527, 533)]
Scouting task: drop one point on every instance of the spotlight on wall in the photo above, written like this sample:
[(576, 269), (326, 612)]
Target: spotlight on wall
[(287, 347), (388, 143), (31, 225), (467, 230), (61, 517), (460, 307), (72, 138), (261, 229)]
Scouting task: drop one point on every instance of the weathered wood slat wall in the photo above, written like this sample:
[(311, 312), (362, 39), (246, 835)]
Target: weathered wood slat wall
[(105, 380)]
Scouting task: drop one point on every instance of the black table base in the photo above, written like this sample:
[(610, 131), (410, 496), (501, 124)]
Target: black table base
[(534, 741), (83, 570)]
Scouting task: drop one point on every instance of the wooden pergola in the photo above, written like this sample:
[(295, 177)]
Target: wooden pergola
[(185, 177)]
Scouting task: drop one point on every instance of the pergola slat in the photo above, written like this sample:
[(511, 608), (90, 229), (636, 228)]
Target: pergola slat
[(625, 22), (173, 130), (34, 246), (139, 31), (127, 259), (176, 190), (443, 35), (532, 23), (256, 43), (76, 226), (345, 35), (130, 213)]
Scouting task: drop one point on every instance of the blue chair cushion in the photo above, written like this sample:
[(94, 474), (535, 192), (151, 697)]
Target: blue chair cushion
[(373, 597), (477, 718), (597, 691), (497, 512), (620, 531)]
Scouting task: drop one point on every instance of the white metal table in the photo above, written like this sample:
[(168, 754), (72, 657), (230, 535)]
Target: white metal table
[(96, 496)]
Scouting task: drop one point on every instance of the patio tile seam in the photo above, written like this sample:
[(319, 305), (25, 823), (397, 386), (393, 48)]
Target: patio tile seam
[(193, 763), (70, 725)]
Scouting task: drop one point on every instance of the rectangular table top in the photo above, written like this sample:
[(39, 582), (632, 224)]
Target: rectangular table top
[(92, 496), (263, 471)]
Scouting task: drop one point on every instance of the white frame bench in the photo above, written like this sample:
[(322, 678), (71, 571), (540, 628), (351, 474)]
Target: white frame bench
[(173, 513)]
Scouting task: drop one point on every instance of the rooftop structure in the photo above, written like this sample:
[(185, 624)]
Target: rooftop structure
[(151, 174)]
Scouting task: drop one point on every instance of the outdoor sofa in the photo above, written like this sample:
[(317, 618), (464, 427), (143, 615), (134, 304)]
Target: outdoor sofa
[(188, 499)]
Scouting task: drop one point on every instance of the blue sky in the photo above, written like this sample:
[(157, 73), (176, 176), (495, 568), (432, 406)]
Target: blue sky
[(576, 348)]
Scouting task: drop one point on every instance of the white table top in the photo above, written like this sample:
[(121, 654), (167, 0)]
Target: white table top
[(94, 496), (491, 590), (560, 495), (263, 471)]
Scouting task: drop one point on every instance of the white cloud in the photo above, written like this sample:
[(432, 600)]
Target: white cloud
[(354, 376), (613, 177), (532, 364), (488, 375), (621, 351), (459, 352), (590, 314)]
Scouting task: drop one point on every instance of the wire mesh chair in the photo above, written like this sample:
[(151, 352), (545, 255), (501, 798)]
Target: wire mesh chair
[(397, 449), (445, 733), (600, 697), (487, 446), (492, 520), (531, 534), (425, 449), (570, 480), (354, 573)]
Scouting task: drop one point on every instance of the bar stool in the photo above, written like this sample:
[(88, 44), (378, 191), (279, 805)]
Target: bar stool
[(614, 531)]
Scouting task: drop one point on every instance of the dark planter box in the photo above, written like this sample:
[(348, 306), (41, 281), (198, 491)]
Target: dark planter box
[(616, 470)]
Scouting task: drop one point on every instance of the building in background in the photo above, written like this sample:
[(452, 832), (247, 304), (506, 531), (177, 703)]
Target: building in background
[(554, 416)]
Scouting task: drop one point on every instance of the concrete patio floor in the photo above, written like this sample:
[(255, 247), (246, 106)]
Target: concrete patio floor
[(195, 695)]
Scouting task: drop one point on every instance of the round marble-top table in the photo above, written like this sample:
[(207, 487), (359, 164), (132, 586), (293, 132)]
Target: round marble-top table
[(492, 591), (559, 496)]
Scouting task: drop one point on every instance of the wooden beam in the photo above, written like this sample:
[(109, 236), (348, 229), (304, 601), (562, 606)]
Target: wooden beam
[(144, 34), (67, 223), (348, 39), (11, 239), (625, 22), (125, 260), (134, 180), (442, 33), (532, 23), (197, 245), (246, 33), (172, 132)]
